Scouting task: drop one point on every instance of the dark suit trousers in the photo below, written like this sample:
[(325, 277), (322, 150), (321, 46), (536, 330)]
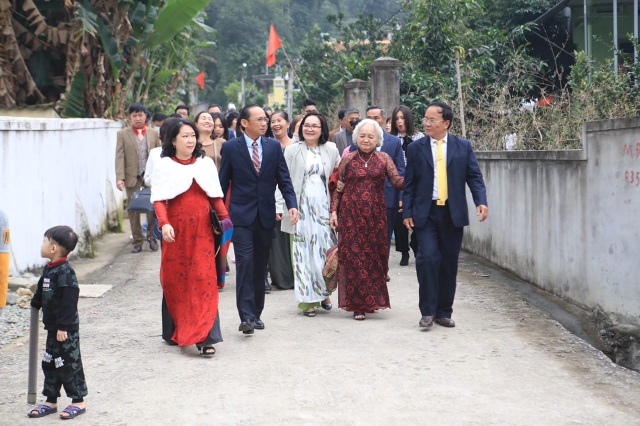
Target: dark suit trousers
[(391, 224), (402, 237), (251, 246), (437, 262)]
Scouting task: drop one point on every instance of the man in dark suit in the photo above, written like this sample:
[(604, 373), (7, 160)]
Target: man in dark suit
[(435, 207), (251, 166)]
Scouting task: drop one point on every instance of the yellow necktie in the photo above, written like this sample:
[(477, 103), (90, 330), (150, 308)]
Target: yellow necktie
[(441, 173)]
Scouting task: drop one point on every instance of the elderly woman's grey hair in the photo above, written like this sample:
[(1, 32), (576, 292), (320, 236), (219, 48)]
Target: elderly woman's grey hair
[(376, 126)]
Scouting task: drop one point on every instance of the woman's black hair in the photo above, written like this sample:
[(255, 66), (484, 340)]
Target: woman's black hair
[(64, 237), (232, 116), (171, 129), (324, 127), (223, 120), (195, 120), (282, 113), (408, 121)]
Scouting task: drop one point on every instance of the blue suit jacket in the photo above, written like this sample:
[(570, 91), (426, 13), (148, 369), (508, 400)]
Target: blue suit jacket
[(253, 195), (392, 146), (462, 168)]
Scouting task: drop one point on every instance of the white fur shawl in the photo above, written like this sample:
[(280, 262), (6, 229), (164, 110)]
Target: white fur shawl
[(171, 178)]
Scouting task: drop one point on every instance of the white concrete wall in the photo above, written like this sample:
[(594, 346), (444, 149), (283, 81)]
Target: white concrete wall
[(567, 221), (55, 172)]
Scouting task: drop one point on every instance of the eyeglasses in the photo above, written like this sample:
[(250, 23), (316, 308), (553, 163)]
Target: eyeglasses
[(432, 121), (260, 120), (311, 126)]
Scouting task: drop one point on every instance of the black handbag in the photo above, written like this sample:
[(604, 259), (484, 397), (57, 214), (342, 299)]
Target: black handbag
[(141, 202), (215, 222)]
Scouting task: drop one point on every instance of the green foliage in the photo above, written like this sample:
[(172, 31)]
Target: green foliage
[(74, 101), (174, 17)]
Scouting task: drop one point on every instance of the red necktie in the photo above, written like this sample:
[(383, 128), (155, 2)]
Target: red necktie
[(256, 157)]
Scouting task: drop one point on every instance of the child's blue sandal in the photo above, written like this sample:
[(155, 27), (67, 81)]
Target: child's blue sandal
[(41, 411), (72, 411)]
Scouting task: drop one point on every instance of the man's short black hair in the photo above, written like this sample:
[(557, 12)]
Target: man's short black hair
[(445, 110), (64, 237), (137, 107), (308, 102), (214, 106), (159, 116), (342, 113), (181, 107), (382, 112)]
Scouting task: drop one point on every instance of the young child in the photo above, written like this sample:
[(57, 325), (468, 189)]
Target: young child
[(57, 295)]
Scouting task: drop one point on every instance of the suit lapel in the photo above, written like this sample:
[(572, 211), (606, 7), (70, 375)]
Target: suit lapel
[(452, 146), (267, 154), (244, 153), (425, 148)]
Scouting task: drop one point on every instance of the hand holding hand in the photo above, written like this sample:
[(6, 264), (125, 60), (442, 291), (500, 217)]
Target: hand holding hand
[(168, 234)]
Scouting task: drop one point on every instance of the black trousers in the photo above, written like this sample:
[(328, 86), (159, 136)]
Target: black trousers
[(251, 246), (402, 237), (437, 262), (169, 327)]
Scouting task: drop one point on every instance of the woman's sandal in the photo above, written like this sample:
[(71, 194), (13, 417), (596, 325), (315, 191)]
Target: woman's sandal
[(311, 313), (41, 411), (207, 350), (359, 316), (72, 412)]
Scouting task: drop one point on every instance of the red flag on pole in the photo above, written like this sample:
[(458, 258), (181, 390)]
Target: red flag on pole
[(200, 79), (274, 44)]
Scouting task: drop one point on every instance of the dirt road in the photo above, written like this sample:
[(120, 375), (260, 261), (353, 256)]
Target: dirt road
[(504, 363)]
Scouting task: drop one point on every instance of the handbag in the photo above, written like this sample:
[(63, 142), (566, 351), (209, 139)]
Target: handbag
[(215, 222), (329, 272), (141, 202)]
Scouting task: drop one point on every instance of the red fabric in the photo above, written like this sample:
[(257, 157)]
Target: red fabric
[(274, 44), (188, 270), (142, 130), (362, 232), (200, 80), (57, 262)]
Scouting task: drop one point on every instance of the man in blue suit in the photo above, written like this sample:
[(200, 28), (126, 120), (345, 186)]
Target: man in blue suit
[(393, 147), (251, 166), (435, 207)]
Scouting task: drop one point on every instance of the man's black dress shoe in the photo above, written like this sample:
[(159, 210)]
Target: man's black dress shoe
[(405, 258), (258, 324), (426, 321), (445, 322), (246, 327)]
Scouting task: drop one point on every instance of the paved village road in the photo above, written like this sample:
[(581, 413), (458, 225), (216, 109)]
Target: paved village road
[(504, 363)]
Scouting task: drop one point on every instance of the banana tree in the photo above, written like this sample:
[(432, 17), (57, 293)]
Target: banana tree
[(89, 57)]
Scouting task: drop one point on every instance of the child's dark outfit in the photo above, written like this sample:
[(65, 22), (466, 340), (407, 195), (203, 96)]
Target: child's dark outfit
[(57, 295)]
